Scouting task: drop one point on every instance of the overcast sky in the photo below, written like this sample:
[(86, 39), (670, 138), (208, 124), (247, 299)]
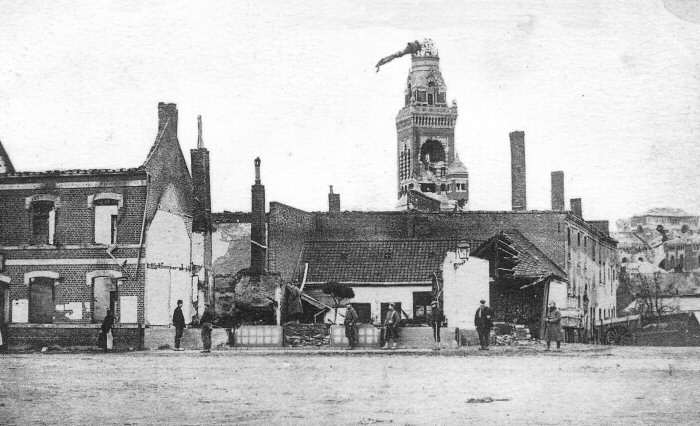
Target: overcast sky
[(608, 92)]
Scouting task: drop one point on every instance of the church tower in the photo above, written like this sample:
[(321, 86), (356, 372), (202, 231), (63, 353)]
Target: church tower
[(430, 174)]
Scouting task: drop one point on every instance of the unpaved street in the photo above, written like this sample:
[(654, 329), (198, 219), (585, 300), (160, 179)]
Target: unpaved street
[(598, 386)]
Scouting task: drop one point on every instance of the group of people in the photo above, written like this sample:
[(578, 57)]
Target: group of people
[(206, 322), (483, 320)]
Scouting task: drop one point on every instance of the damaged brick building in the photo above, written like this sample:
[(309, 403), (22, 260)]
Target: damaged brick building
[(76, 243)]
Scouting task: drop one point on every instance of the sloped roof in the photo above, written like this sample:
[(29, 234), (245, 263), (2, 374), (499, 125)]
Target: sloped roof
[(457, 168), (532, 262), (5, 162), (77, 172), (377, 262)]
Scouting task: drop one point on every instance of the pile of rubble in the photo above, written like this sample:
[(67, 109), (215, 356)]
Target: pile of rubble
[(515, 334), (306, 334)]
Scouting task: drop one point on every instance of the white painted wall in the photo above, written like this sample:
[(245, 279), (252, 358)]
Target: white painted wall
[(464, 285), (377, 295), (168, 245), (558, 294)]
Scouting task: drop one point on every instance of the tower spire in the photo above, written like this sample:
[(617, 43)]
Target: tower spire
[(200, 141)]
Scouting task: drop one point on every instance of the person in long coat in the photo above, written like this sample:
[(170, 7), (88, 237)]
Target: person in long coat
[(206, 323), (350, 323), (179, 323), (483, 320), (391, 323), (106, 331), (553, 324)]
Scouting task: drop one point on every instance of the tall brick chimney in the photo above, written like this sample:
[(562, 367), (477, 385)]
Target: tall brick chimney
[(333, 201), (558, 200), (517, 171), (576, 207), (201, 205), (199, 157), (258, 240), (167, 114)]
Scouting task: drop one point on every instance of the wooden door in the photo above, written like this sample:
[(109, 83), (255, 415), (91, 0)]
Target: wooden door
[(41, 305)]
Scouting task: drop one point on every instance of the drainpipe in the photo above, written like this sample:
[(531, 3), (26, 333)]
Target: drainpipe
[(141, 239)]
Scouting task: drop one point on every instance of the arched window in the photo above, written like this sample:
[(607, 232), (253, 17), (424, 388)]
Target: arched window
[(42, 217), (433, 151)]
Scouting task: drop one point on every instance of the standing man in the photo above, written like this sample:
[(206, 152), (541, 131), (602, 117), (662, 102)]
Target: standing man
[(106, 328), (553, 331), (206, 323), (391, 323), (179, 323), (351, 319), (436, 319), (483, 322)]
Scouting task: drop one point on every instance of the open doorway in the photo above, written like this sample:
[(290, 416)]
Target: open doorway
[(105, 297)]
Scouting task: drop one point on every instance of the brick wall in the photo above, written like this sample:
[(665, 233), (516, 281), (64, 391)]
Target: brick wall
[(288, 228), (73, 287), (20, 337), (74, 219), (166, 166)]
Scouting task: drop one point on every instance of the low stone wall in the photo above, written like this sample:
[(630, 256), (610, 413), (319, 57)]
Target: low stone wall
[(82, 336), (368, 335), (164, 338), (258, 335)]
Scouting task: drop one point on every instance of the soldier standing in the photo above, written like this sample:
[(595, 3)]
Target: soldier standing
[(483, 322), (351, 319)]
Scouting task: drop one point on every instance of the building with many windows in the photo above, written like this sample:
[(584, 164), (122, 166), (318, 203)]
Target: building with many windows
[(77, 243)]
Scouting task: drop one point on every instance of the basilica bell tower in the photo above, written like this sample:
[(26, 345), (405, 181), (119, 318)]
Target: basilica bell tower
[(429, 170)]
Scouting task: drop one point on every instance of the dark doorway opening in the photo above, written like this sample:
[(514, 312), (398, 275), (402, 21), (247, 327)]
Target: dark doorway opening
[(41, 302)]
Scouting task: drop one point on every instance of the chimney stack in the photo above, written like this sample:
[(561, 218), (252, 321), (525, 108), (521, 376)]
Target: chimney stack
[(333, 201), (258, 240), (517, 171), (576, 207), (167, 115), (201, 184), (558, 203)]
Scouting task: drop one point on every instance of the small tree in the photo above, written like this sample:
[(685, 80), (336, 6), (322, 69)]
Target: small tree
[(648, 290), (338, 292)]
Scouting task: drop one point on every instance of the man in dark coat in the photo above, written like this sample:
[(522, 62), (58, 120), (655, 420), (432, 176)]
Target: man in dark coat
[(553, 323), (483, 320), (206, 323), (106, 331), (350, 323), (436, 319), (179, 323), (391, 323)]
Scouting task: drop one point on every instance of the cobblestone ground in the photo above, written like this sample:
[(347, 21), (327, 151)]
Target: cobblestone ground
[(579, 385)]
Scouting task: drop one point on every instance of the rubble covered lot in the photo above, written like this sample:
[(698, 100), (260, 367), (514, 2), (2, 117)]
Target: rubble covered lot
[(581, 384)]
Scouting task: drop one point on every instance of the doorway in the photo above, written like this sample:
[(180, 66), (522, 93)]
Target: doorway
[(105, 297), (41, 305)]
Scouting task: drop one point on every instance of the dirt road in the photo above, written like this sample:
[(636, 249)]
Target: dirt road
[(609, 386)]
